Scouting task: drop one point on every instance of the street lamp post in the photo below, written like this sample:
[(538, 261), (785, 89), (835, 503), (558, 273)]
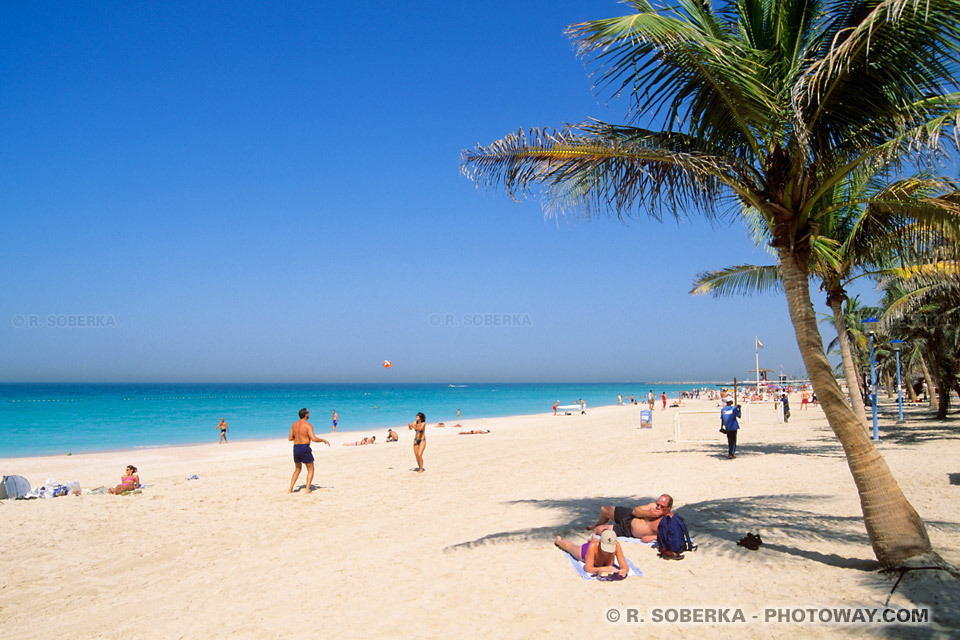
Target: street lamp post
[(870, 324), (897, 345)]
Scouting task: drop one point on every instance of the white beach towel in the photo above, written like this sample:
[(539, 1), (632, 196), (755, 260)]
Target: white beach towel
[(579, 567)]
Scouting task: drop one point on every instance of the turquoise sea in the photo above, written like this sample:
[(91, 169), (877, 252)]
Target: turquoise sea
[(55, 419)]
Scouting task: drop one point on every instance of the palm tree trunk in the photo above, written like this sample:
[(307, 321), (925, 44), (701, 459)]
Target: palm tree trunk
[(888, 385), (910, 391), (893, 525), (849, 369), (940, 373), (931, 395)]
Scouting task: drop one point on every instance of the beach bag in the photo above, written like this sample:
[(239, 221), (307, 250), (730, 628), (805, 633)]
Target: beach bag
[(673, 537), (14, 487)]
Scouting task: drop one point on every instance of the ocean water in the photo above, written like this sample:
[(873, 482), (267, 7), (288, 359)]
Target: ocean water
[(56, 419)]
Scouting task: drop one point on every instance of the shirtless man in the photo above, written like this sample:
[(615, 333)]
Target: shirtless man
[(301, 434), (640, 522), (334, 420)]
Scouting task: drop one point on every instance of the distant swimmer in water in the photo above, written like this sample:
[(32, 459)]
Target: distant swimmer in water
[(224, 430)]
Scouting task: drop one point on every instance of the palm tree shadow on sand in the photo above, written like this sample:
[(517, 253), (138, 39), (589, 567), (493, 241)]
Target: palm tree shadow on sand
[(792, 525)]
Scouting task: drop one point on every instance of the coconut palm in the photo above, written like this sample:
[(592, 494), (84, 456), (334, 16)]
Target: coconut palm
[(923, 304), (760, 105), (857, 233)]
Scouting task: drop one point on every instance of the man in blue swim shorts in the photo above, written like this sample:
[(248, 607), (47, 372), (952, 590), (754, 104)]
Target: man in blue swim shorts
[(301, 434)]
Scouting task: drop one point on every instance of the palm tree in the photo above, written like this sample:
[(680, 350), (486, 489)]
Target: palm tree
[(762, 105), (923, 304), (864, 223)]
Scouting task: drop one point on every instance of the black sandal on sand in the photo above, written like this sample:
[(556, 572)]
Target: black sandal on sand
[(750, 541), (666, 554)]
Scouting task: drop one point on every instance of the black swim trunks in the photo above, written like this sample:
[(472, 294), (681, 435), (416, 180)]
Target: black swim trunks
[(302, 454), (622, 517)]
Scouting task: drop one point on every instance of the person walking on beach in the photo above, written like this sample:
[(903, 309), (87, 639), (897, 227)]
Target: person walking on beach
[(301, 434), (334, 420), (730, 426), (419, 439), (224, 430), (620, 399), (664, 398), (650, 399)]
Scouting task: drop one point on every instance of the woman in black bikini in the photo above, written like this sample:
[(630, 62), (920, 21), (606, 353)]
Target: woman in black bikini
[(420, 439)]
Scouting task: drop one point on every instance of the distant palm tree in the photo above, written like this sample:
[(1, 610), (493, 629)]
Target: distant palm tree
[(760, 105), (923, 305)]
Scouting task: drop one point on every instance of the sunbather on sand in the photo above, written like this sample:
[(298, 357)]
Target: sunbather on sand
[(477, 431), (128, 482), (597, 554), (640, 522)]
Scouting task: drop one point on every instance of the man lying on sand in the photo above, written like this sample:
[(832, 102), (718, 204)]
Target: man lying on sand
[(640, 522), (474, 431)]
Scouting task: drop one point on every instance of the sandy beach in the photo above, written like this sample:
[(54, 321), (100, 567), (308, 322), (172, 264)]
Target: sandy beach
[(466, 548)]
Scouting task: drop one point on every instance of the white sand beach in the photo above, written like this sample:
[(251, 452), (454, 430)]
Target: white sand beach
[(466, 549)]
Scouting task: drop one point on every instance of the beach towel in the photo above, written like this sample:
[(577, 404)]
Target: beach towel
[(579, 567), (652, 543)]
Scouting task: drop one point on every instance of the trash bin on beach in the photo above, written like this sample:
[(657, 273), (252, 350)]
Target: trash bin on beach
[(646, 419)]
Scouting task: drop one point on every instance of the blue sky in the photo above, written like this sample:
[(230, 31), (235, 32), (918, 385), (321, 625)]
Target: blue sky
[(270, 192)]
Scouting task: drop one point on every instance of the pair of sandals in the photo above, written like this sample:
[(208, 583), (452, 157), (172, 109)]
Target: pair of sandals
[(750, 541)]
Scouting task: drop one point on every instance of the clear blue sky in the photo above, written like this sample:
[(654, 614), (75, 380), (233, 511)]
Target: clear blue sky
[(270, 192)]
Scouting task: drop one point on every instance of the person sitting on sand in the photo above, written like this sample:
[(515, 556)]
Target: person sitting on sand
[(392, 436), (597, 554), (640, 522), (128, 482), (477, 431)]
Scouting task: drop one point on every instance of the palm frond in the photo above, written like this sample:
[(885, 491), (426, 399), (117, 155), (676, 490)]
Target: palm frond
[(744, 279)]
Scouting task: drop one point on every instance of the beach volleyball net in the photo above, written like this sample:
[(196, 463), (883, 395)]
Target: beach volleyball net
[(704, 425), (697, 426)]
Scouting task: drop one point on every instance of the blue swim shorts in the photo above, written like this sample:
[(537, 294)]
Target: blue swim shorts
[(302, 454)]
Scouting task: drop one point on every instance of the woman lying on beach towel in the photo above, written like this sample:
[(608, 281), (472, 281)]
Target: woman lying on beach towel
[(128, 482), (597, 554), (477, 431)]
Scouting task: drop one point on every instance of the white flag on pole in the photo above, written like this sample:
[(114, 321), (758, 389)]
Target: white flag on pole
[(759, 344)]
